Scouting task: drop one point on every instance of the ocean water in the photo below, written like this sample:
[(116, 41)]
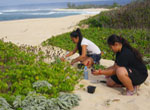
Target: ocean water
[(46, 10)]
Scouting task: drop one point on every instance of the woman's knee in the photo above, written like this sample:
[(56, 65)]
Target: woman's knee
[(87, 61), (110, 82), (121, 72)]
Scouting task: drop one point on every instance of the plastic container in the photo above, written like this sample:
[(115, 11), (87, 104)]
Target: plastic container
[(86, 73), (91, 89)]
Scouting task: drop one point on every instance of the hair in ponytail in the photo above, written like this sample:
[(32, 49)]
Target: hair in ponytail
[(114, 38), (76, 34)]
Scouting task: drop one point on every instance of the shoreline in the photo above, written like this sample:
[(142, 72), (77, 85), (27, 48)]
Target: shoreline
[(89, 11)]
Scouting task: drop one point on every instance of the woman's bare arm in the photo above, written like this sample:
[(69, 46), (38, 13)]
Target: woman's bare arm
[(108, 72), (72, 52), (80, 58)]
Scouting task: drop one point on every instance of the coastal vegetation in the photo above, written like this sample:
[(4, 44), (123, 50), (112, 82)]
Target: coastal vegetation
[(86, 6), (26, 80)]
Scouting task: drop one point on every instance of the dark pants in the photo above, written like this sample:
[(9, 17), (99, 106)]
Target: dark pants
[(96, 57)]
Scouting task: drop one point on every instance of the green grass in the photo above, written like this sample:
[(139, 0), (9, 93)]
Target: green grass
[(19, 69), (139, 39)]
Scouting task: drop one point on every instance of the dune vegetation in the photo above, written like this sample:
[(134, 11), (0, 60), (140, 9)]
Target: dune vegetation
[(27, 82)]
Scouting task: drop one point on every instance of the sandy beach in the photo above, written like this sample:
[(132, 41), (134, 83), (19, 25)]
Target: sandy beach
[(35, 31), (106, 98)]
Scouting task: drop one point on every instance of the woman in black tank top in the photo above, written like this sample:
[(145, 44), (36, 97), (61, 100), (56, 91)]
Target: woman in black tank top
[(128, 70)]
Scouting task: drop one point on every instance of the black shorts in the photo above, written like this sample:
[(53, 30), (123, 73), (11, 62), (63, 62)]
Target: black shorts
[(96, 57), (136, 77)]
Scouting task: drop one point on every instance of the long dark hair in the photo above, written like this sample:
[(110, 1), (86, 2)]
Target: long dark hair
[(75, 34), (114, 38)]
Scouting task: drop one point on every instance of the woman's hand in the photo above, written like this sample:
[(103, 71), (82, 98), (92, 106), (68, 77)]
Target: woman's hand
[(97, 72), (73, 62)]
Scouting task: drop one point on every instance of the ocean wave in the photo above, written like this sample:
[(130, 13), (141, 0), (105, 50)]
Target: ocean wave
[(9, 11), (60, 12), (90, 12), (68, 12), (24, 10), (46, 11), (1, 13), (49, 13), (79, 12)]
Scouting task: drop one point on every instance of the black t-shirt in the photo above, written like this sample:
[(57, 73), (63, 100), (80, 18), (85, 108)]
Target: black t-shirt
[(126, 58)]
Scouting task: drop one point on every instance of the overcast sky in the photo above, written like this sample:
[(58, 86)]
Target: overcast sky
[(16, 2)]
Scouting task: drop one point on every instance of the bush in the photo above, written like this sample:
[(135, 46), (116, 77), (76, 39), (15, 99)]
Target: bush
[(134, 15)]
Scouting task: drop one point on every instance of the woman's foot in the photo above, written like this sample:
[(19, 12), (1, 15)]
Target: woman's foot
[(107, 77), (130, 93), (80, 66)]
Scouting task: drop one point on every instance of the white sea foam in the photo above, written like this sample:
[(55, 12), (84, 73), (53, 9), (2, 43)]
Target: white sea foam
[(91, 12), (10, 10), (54, 12), (48, 13), (63, 12), (24, 10), (79, 12)]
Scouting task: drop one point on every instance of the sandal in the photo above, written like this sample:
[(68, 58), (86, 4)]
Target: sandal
[(130, 93)]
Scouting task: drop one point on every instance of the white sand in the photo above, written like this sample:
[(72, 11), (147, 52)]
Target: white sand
[(106, 98), (34, 31)]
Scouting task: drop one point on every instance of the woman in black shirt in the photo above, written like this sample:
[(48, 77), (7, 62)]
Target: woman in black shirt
[(128, 70)]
